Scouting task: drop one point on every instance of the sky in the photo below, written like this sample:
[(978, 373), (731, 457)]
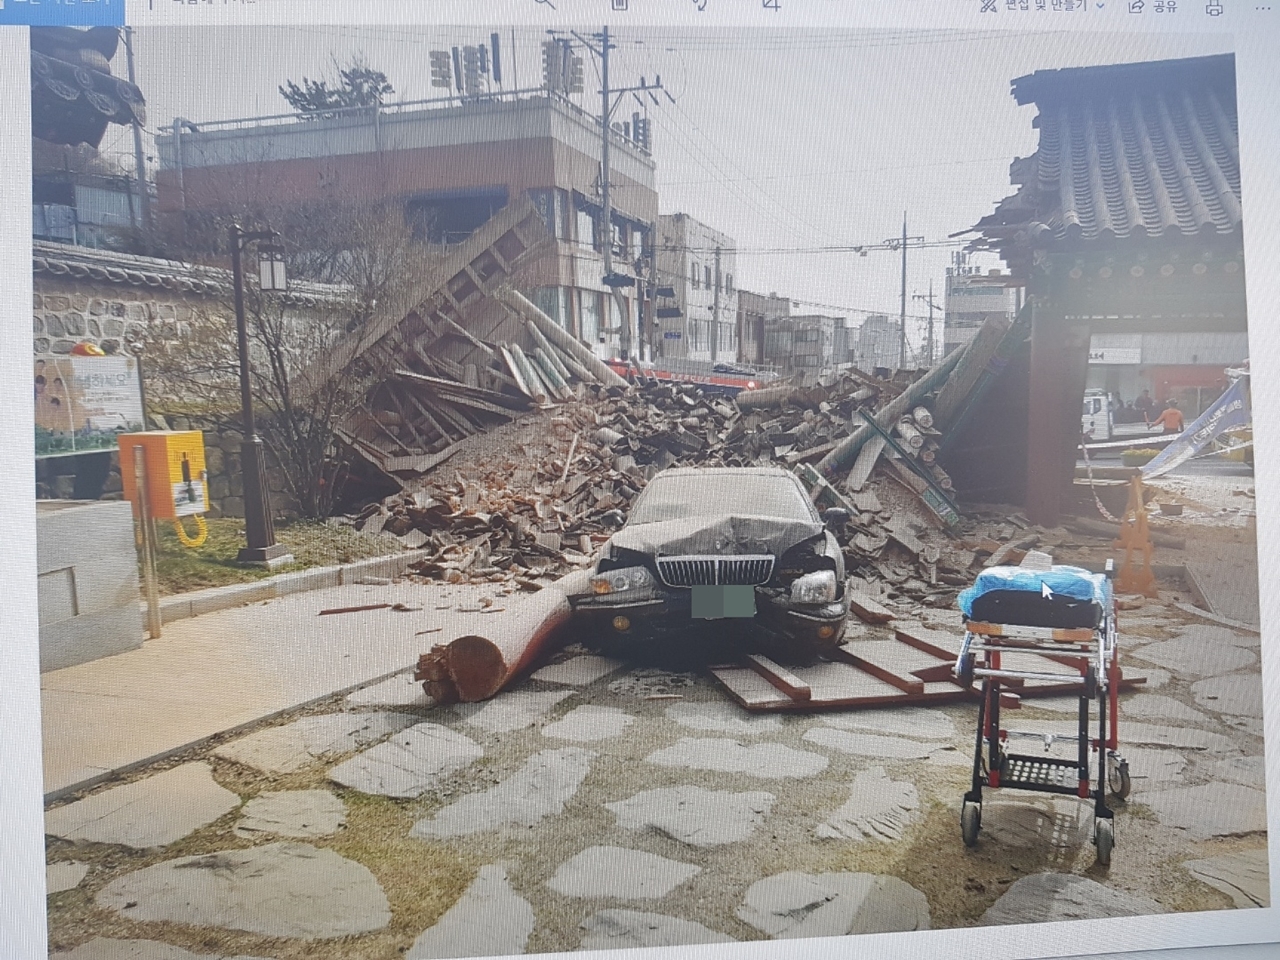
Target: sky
[(784, 140)]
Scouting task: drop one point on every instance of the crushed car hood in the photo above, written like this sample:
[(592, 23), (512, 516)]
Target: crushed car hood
[(722, 535)]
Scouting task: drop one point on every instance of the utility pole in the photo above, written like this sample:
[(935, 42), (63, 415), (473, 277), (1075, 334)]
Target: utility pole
[(139, 161), (715, 312), (902, 330), (932, 306)]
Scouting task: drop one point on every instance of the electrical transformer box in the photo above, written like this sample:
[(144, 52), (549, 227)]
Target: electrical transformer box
[(177, 480)]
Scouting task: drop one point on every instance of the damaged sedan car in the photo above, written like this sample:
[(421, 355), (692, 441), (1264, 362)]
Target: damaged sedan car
[(735, 555)]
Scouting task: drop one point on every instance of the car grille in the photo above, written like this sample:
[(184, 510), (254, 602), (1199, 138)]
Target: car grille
[(750, 570)]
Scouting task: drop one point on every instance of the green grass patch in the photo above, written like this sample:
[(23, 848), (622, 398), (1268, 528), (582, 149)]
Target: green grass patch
[(313, 543)]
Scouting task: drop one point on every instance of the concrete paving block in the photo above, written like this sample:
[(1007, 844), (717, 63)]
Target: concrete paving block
[(920, 723), (692, 815), (152, 812), (622, 929), (1242, 876), (297, 814), (102, 948), (278, 890), (410, 763), (1153, 706), (589, 723), (1239, 694), (539, 789), (489, 920), (1054, 824), (220, 598), (64, 875), (617, 872), (301, 581), (579, 671), (878, 808), (1250, 771), (646, 682), (1150, 767), (870, 745), (1210, 810), (512, 711), (393, 693), (1215, 636), (721, 718), (297, 745), (770, 761), (793, 905), (1057, 896), (1191, 655)]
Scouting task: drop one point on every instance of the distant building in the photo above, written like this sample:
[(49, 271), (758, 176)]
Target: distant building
[(971, 297), (1187, 367), (77, 196), (755, 312), (806, 347), (700, 320), (878, 345), (452, 166)]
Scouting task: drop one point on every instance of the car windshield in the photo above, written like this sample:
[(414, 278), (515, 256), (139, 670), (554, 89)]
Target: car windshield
[(713, 493)]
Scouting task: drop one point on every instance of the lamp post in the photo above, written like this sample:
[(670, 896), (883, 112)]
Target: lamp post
[(260, 534)]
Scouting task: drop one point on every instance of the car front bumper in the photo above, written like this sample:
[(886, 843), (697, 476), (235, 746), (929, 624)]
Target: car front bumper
[(668, 614)]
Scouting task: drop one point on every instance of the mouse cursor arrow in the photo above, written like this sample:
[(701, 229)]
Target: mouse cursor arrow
[(1045, 592)]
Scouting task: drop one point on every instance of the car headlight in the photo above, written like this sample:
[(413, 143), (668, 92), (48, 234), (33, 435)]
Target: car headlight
[(816, 587), (627, 579)]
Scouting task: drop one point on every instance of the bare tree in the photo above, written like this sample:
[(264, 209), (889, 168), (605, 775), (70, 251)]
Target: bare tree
[(368, 262)]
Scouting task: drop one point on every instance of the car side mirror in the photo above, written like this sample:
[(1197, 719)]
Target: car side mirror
[(614, 518), (835, 516)]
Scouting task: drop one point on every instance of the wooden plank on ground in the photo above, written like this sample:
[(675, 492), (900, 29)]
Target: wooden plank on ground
[(867, 609), (751, 690), (780, 677), (942, 645), (882, 659)]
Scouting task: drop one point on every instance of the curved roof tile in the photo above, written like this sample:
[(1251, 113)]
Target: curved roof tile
[(1129, 151)]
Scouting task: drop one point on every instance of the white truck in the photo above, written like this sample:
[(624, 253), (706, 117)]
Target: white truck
[(1096, 421)]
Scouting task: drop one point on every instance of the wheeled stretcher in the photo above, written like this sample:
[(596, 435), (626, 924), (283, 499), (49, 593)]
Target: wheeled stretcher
[(1054, 625)]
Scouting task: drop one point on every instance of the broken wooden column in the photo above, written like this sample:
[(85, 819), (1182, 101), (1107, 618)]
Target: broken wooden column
[(843, 456), (563, 340), (476, 666)]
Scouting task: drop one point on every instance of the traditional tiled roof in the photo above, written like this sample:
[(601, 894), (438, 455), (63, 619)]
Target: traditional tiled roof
[(66, 260), (1127, 152)]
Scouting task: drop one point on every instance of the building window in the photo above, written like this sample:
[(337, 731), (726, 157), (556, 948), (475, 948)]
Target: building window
[(590, 314), (707, 276), (728, 283), (586, 228), (695, 276)]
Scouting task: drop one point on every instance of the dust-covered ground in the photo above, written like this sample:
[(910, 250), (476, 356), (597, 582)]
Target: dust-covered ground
[(868, 793)]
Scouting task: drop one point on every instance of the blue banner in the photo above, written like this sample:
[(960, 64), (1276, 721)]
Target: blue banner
[(62, 13), (1231, 410)]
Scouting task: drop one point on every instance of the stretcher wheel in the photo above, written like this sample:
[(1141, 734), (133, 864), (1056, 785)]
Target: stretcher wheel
[(965, 673), (970, 822), (1104, 839), (1118, 776)]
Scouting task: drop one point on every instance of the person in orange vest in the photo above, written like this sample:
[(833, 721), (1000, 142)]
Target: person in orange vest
[(1170, 418)]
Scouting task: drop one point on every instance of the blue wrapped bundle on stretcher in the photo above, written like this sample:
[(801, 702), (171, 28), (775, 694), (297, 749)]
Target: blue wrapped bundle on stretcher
[(1064, 597)]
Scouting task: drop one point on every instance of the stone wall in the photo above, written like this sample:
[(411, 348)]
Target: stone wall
[(111, 300), (226, 482), (65, 313)]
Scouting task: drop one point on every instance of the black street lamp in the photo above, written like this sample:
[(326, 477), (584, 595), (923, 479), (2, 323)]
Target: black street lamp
[(260, 533)]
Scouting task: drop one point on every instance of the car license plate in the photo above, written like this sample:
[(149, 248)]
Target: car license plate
[(724, 600)]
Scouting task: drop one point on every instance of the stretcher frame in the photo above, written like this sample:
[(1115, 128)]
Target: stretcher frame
[(1093, 656)]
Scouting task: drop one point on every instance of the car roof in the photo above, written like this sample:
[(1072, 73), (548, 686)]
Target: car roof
[(736, 471)]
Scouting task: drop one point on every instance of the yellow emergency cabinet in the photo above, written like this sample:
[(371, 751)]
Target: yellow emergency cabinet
[(177, 480)]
